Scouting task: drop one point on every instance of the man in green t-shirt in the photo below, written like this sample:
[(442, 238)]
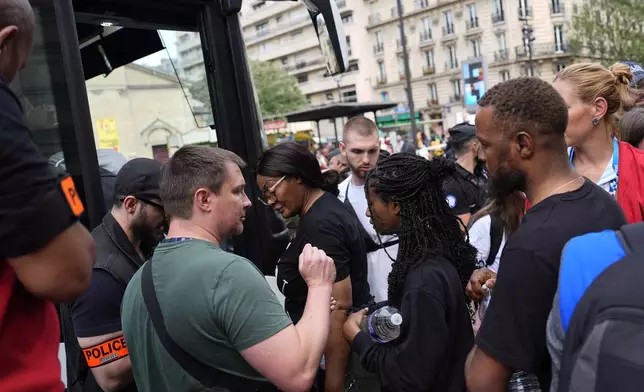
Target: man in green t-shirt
[(217, 306)]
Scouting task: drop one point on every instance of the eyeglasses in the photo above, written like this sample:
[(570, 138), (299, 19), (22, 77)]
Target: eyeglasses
[(150, 202), (268, 195)]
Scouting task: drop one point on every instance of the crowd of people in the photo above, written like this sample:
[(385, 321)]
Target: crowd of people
[(535, 215)]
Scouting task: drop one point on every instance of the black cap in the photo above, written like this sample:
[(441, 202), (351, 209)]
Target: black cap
[(460, 133), (139, 177)]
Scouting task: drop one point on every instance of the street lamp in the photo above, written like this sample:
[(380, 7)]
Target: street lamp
[(410, 99)]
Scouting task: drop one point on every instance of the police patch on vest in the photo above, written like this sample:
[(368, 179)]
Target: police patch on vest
[(106, 352), (451, 201)]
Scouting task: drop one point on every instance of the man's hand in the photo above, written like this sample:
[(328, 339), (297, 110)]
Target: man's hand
[(352, 325), (316, 267), (477, 280)]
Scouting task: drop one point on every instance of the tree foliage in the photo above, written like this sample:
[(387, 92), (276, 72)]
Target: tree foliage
[(278, 92), (609, 30)]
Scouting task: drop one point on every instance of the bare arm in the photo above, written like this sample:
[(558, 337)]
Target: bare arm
[(295, 369), (60, 271), (113, 376), (337, 349), (484, 374)]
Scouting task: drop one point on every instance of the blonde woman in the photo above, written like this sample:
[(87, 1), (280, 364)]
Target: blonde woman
[(596, 98)]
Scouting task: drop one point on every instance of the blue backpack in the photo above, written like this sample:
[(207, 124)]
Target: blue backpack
[(601, 302)]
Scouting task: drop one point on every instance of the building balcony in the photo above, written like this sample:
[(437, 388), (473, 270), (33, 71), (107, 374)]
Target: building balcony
[(448, 30), (425, 37), (381, 80), (557, 9), (300, 65), (502, 55), (473, 23), (525, 13), (399, 46), (379, 48), (270, 9), (428, 70), (401, 76), (433, 102), (455, 98), (450, 65), (544, 50), (498, 17), (290, 24), (421, 4)]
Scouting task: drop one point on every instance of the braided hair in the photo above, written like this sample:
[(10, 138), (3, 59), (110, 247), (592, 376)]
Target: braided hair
[(428, 228)]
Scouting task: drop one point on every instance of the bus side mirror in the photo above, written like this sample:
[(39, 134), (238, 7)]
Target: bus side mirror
[(330, 30)]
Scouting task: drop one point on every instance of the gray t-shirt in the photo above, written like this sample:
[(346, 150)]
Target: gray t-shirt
[(215, 305), (555, 337)]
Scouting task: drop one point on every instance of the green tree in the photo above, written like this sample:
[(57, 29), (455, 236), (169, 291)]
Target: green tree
[(277, 91), (609, 30)]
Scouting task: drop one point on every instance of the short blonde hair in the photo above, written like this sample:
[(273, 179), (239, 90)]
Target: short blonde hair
[(592, 81)]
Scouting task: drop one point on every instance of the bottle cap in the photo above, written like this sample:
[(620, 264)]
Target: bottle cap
[(396, 319)]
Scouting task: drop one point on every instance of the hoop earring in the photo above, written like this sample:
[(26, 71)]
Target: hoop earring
[(596, 121)]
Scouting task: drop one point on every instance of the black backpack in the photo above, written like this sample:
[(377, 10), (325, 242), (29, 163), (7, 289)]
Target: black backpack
[(604, 346)]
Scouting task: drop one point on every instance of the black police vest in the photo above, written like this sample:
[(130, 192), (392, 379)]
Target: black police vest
[(116, 256)]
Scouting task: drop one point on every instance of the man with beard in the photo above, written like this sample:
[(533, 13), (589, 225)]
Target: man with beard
[(124, 241), (522, 138), (361, 147), (466, 191)]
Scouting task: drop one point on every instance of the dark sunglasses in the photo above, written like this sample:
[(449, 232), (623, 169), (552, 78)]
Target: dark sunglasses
[(150, 202)]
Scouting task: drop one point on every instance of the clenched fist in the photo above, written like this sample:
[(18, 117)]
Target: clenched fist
[(316, 267)]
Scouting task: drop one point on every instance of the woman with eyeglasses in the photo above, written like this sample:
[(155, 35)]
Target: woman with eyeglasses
[(291, 182)]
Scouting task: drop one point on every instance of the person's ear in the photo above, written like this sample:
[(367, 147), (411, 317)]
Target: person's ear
[(130, 203), (524, 145), (202, 199), (395, 207), (343, 149), (600, 108), (7, 35)]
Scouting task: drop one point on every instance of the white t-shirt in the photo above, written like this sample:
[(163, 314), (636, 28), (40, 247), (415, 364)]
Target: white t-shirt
[(378, 263), (480, 239)]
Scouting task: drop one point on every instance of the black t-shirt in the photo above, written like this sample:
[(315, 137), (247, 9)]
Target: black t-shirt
[(330, 226), (435, 336), (514, 331), (33, 207), (465, 192), (98, 311)]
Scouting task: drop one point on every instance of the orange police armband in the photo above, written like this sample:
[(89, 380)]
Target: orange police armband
[(106, 352), (72, 197)]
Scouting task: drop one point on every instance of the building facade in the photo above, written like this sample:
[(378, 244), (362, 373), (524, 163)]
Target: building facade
[(457, 49)]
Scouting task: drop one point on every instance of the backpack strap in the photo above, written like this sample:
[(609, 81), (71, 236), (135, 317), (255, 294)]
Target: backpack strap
[(631, 237), (208, 376), (496, 237)]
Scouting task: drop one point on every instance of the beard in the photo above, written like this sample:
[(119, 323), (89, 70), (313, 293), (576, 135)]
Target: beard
[(506, 181), (147, 234)]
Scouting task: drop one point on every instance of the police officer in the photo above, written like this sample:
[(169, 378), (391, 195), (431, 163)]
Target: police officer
[(467, 191), (124, 240)]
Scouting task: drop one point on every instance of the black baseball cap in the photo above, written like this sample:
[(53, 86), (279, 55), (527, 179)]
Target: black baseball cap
[(139, 177), (460, 133)]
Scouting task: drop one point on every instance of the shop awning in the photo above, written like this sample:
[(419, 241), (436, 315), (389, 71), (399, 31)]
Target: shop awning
[(338, 110)]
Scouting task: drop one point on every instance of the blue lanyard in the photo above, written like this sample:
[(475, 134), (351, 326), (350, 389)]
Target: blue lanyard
[(175, 239), (615, 155), (613, 183)]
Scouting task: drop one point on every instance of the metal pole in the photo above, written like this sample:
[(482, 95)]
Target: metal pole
[(317, 125), (335, 131), (410, 100)]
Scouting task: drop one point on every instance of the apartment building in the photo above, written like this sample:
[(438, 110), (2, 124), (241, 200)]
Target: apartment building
[(447, 37), (190, 56)]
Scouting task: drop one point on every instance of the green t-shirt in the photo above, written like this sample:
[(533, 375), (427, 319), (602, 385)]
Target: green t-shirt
[(215, 305)]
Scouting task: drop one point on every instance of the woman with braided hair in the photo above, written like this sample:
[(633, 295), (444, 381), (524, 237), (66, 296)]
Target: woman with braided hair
[(427, 281)]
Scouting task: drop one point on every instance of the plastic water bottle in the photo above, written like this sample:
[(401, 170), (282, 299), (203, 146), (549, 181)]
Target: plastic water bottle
[(524, 382), (383, 325), (485, 302)]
